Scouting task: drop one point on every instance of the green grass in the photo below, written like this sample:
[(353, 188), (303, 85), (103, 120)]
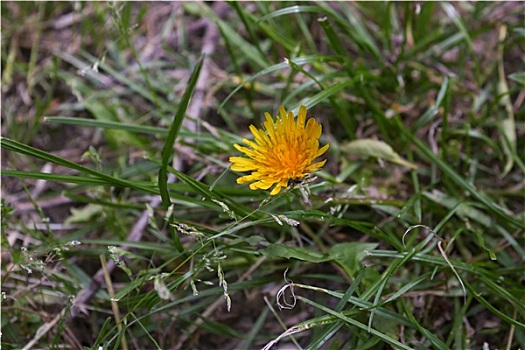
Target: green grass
[(123, 226)]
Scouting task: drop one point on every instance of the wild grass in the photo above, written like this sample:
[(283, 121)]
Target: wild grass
[(123, 226)]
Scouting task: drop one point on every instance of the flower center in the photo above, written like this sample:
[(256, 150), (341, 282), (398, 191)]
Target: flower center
[(288, 159)]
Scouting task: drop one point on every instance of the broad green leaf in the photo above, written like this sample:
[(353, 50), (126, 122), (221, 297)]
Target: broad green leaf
[(256, 240), (84, 214), (279, 250), (349, 255), (377, 149)]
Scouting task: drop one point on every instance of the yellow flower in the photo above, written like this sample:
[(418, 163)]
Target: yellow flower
[(284, 150)]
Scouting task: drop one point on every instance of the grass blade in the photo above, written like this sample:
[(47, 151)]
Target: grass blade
[(456, 178), (105, 124), (167, 151), (33, 152), (350, 321)]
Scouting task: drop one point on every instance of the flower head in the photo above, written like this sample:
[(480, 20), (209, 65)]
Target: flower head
[(285, 149)]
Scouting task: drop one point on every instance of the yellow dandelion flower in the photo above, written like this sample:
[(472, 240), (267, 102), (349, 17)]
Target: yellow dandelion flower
[(284, 150)]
